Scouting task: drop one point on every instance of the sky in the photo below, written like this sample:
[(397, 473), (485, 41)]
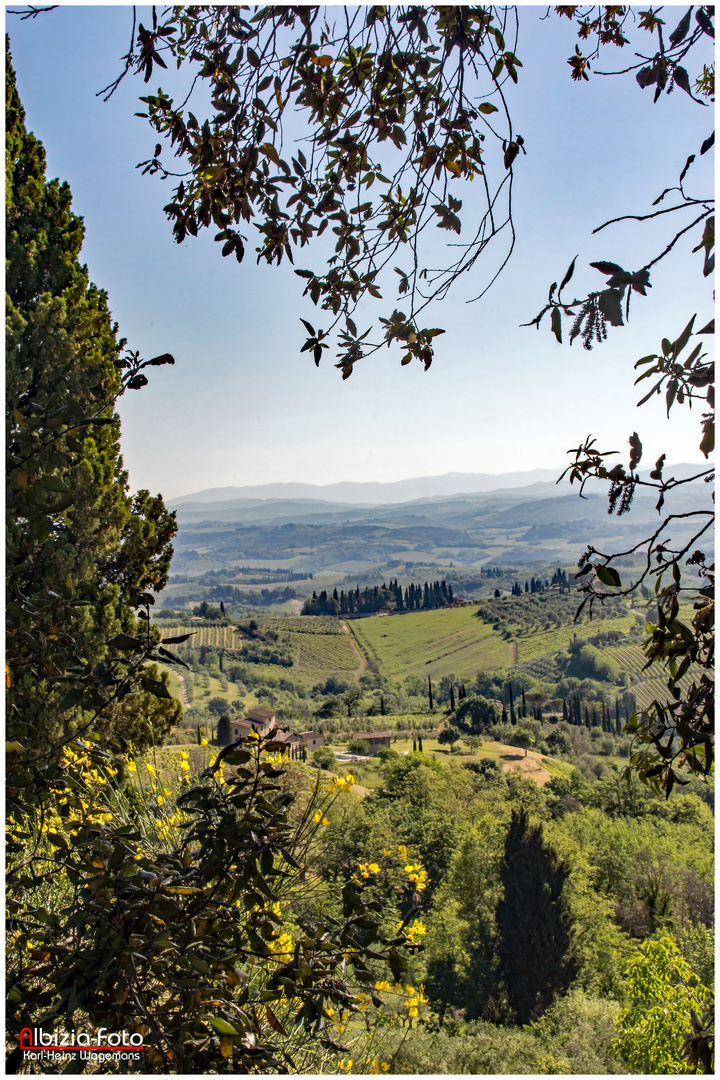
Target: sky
[(242, 406)]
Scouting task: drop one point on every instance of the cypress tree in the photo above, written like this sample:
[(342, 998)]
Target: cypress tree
[(513, 718), (452, 698), (224, 731), (430, 697), (533, 940), (420, 744), (524, 706), (73, 529), (414, 745)]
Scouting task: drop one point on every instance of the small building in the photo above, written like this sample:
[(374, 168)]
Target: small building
[(311, 740), (260, 720), (376, 740)]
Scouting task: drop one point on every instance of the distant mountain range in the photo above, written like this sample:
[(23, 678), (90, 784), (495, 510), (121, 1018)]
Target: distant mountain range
[(374, 493)]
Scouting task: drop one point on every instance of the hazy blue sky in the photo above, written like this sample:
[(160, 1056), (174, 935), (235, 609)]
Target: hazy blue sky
[(242, 406)]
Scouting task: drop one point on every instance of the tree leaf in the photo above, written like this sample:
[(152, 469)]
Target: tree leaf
[(126, 643), (159, 689), (608, 576)]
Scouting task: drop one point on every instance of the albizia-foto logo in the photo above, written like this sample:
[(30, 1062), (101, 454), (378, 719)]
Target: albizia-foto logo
[(103, 1045)]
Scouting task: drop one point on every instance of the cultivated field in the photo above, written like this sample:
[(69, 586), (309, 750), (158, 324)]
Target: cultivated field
[(647, 686), (537, 642), (327, 653), (436, 643), (222, 637)]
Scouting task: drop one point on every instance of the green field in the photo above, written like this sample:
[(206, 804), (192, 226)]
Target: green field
[(647, 686), (436, 643), (537, 642), (327, 654), (222, 637)]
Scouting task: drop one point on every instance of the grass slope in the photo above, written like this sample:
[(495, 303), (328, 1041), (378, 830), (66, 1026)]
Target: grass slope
[(436, 643), (536, 642)]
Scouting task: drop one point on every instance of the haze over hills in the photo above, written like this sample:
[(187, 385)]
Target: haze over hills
[(537, 524), (374, 492)]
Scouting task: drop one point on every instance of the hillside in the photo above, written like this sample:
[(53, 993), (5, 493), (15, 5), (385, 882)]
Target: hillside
[(433, 643)]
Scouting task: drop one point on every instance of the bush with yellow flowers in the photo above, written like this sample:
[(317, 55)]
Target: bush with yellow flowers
[(179, 917)]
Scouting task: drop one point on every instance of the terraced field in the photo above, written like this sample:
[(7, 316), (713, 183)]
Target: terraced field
[(435, 643)]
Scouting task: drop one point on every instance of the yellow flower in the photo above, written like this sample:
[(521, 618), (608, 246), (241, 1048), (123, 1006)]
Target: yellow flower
[(184, 765), (416, 930), (150, 768), (320, 818), (203, 741), (132, 767), (345, 1064), (160, 800), (378, 1067)]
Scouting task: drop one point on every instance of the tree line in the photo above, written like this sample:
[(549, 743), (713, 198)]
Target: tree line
[(383, 597)]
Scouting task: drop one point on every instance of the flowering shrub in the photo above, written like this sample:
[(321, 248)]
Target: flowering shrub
[(177, 919)]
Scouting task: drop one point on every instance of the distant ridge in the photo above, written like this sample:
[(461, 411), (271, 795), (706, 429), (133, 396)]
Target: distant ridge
[(375, 493)]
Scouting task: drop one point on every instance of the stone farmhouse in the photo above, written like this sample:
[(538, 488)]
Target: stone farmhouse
[(377, 740)]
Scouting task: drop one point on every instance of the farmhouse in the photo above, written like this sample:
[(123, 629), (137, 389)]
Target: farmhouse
[(261, 720), (377, 740)]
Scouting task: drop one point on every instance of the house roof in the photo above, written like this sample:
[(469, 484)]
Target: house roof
[(260, 714), (372, 734)]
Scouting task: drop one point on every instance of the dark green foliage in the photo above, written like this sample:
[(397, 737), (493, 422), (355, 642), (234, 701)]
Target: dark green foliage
[(223, 736), (486, 768), (448, 735), (534, 949), (73, 529), (475, 714), (359, 746), (559, 743), (324, 757)]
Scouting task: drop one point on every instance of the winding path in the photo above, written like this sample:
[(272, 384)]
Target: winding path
[(183, 691)]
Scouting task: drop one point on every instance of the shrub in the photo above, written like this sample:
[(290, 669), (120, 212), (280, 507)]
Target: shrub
[(359, 746), (324, 757)]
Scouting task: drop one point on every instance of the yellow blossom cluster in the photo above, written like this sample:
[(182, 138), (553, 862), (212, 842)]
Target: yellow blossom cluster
[(282, 948), (416, 874), (413, 998), (415, 931), (413, 1001), (376, 1066), (320, 818)]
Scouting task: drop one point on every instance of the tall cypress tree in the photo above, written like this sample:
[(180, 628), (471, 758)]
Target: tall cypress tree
[(535, 962), (73, 529)]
